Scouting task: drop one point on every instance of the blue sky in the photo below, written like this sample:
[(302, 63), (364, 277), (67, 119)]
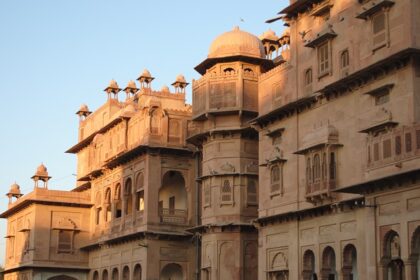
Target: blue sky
[(56, 55)]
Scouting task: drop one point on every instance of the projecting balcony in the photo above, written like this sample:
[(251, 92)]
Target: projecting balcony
[(173, 216), (393, 147), (320, 189)]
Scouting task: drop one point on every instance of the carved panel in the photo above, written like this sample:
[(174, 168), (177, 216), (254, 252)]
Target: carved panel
[(250, 95), (327, 230), (278, 239), (307, 235), (222, 95), (348, 226), (227, 260), (413, 204), (391, 208), (167, 252)]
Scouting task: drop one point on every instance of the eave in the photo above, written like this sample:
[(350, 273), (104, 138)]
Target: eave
[(285, 109), (29, 202), (321, 38), (381, 183), (299, 6), (266, 64), (373, 7)]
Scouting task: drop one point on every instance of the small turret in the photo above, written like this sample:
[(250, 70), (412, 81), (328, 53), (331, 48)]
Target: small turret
[(180, 84), (14, 192), (112, 89), (145, 79), (130, 89), (41, 174), (83, 112)]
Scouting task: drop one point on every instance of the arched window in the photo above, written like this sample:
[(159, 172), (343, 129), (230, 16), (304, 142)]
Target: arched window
[(350, 262), (324, 166), (140, 192), (137, 272), (316, 168), (226, 191), (107, 205), (308, 76), (308, 272), (332, 166), (117, 201), (65, 241), (344, 59), (115, 274), (328, 264), (174, 134), (95, 276), (229, 71), (392, 256), (128, 197), (126, 273), (308, 171), (98, 210), (154, 122), (105, 275), (275, 179)]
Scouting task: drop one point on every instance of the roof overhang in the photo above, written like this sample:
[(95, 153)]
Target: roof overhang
[(209, 62)]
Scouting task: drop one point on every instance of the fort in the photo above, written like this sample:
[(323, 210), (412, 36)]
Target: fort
[(299, 158)]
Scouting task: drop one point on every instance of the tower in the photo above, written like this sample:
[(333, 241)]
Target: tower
[(225, 99)]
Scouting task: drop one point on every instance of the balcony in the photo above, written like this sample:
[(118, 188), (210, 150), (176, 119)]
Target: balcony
[(173, 216), (393, 146), (320, 189)]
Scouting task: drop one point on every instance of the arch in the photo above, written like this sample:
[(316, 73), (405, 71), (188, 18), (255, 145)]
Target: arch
[(316, 168), (107, 205), (154, 121), (229, 71), (126, 273), (308, 272), (308, 76), (117, 201), (173, 198), (350, 263), (95, 275), (251, 261), (140, 191), (62, 277), (328, 271), (137, 272), (105, 275), (415, 252), (115, 274), (172, 271), (226, 191), (140, 181), (128, 197), (392, 264), (344, 59)]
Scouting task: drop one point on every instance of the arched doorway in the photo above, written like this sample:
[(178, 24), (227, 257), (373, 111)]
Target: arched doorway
[(62, 277), (115, 275), (350, 263), (328, 271), (105, 275), (173, 199), (95, 275), (392, 264), (308, 272), (126, 273), (172, 271), (137, 272)]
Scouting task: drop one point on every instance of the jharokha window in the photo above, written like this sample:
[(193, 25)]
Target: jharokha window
[(226, 192), (65, 241), (321, 171), (251, 192), (324, 59), (276, 180)]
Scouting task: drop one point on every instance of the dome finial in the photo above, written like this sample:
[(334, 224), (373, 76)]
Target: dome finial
[(41, 174)]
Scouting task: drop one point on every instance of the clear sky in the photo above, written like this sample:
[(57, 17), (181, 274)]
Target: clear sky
[(56, 55)]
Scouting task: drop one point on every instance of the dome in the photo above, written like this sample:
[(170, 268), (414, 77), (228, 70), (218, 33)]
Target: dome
[(165, 89), (131, 84), (14, 189), (180, 79), (269, 35), (84, 108), (146, 74), (236, 42), (113, 84), (41, 171)]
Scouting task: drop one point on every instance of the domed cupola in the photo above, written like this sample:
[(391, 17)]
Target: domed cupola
[(236, 42), (233, 46)]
